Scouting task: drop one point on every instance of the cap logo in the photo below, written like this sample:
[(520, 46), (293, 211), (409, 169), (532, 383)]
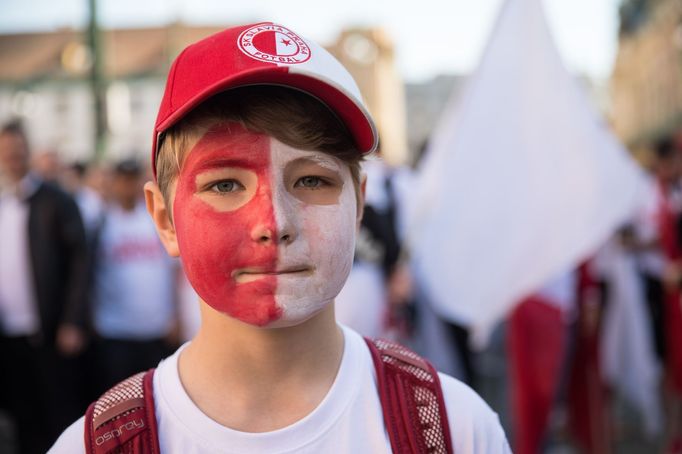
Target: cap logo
[(274, 44)]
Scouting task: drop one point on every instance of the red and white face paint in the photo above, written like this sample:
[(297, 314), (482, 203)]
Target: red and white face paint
[(266, 232)]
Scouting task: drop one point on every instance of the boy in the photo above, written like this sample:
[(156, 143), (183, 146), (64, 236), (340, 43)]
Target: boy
[(259, 138)]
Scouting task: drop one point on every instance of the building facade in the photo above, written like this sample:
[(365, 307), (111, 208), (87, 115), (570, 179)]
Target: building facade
[(646, 85), (44, 79), (369, 55)]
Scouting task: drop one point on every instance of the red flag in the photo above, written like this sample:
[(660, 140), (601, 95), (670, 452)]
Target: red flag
[(536, 343)]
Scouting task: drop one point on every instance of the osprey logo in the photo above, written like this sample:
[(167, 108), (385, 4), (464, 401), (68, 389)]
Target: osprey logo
[(274, 44), (117, 432)]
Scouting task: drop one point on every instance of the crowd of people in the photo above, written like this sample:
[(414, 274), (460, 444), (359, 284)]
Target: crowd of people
[(88, 296), (103, 300)]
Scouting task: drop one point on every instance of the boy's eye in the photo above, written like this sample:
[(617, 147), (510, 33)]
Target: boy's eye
[(227, 186), (310, 182)]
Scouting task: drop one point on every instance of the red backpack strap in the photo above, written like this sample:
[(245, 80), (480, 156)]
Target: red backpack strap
[(411, 400), (122, 420)]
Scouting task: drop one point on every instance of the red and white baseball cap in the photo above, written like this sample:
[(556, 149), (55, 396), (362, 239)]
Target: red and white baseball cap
[(268, 54)]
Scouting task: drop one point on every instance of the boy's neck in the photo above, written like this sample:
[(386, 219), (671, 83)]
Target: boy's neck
[(237, 373)]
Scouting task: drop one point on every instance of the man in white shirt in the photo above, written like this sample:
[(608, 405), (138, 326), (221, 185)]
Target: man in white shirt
[(134, 284), (43, 284)]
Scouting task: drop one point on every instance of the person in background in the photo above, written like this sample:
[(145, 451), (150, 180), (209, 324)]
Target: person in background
[(43, 296), (90, 203), (134, 309), (47, 165), (537, 345), (375, 299), (98, 178), (668, 168)]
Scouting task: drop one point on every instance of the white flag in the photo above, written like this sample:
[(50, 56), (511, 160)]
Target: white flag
[(521, 181)]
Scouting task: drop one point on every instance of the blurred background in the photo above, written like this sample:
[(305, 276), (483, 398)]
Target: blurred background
[(526, 197), (407, 59)]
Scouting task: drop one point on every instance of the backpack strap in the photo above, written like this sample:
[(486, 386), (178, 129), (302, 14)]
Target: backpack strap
[(122, 420), (411, 400)]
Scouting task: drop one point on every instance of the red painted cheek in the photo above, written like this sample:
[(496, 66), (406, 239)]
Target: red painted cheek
[(215, 244)]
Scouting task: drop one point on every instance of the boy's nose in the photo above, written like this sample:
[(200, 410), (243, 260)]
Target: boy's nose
[(264, 234), (286, 215)]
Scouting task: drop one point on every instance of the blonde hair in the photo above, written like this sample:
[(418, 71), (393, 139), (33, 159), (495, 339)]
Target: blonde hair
[(290, 116)]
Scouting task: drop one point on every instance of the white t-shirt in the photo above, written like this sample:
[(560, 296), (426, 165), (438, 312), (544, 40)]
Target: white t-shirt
[(18, 307), (134, 279), (348, 420), (91, 207)]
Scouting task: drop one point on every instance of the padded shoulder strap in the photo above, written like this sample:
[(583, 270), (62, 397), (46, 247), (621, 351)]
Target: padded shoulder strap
[(122, 420), (411, 400)]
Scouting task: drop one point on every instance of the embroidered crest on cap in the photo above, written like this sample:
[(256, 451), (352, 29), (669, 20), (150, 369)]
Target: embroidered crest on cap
[(274, 44)]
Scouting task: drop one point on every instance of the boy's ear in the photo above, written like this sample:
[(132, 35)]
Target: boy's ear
[(156, 206), (361, 200)]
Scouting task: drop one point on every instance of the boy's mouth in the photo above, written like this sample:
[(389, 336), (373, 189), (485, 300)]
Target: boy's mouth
[(245, 275)]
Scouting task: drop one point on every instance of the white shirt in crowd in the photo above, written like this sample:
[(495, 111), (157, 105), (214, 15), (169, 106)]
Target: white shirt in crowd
[(348, 420), (18, 308), (362, 303), (134, 279), (91, 207)]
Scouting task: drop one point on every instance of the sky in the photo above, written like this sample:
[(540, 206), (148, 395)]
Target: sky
[(431, 36)]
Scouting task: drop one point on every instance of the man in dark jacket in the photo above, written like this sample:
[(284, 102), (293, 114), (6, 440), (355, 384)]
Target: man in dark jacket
[(43, 290)]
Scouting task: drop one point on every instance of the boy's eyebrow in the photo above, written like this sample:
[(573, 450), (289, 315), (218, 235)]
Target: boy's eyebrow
[(222, 162), (323, 161)]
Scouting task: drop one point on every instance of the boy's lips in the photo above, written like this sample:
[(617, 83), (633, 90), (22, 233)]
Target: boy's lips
[(244, 275)]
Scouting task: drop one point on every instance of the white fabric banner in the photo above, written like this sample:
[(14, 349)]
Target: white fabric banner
[(521, 181), (627, 353)]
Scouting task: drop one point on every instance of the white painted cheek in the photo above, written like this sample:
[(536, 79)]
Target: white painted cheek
[(292, 294), (328, 237), (335, 242), (323, 237)]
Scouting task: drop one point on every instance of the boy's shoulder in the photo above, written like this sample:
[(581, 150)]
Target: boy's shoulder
[(71, 440), (468, 419)]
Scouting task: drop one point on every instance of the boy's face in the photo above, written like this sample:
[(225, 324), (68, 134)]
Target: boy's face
[(266, 232)]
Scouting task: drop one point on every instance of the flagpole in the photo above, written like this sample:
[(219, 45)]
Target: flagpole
[(96, 80)]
